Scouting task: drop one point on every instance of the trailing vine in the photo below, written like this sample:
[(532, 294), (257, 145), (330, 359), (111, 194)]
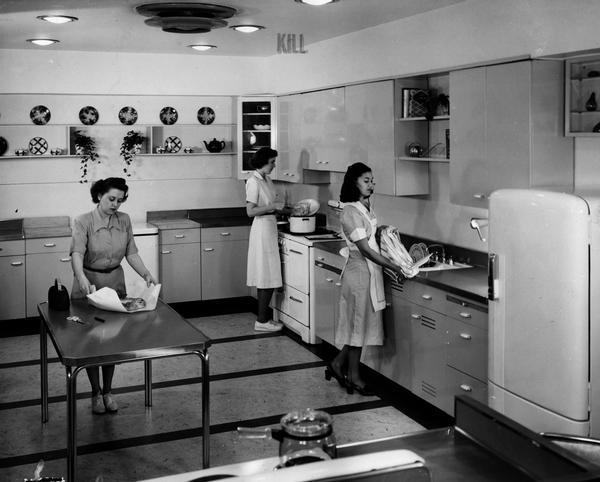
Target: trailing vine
[(130, 147), (85, 147)]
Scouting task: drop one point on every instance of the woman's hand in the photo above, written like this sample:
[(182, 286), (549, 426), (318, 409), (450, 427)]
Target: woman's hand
[(409, 272), (85, 285), (149, 279)]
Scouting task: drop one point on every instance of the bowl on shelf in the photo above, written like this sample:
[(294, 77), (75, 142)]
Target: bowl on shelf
[(261, 127)]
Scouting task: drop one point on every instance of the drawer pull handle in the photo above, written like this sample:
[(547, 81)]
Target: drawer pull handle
[(466, 388), (426, 297), (209, 249), (479, 195), (338, 284), (295, 299), (16, 263), (65, 260), (179, 236), (329, 280), (320, 258), (226, 234), (464, 314), (414, 316), (49, 245), (465, 336), (294, 251), (165, 252)]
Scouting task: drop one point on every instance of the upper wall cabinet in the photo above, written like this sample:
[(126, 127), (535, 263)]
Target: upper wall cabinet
[(256, 129), (506, 130), (582, 99)]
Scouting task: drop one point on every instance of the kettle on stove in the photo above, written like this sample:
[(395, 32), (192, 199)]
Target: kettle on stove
[(214, 145)]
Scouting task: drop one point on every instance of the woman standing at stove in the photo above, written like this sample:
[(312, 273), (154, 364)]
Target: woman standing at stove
[(362, 297), (264, 265)]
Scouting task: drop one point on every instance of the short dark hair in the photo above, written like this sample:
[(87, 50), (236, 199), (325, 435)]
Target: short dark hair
[(349, 192), (262, 156), (102, 186)]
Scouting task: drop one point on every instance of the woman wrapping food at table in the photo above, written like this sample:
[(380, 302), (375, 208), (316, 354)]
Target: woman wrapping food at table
[(100, 241)]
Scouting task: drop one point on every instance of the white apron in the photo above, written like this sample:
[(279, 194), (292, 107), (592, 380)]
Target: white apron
[(376, 289), (264, 264)]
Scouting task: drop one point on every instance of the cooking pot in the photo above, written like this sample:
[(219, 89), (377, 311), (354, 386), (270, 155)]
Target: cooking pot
[(305, 436), (302, 224)]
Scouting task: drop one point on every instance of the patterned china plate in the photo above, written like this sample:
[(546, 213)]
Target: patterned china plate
[(3, 146), (88, 115), (38, 146), (168, 116), (206, 115), (128, 115), (172, 144), (40, 115)]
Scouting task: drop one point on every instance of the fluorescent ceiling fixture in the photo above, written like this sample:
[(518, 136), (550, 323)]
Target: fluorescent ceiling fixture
[(43, 42), (316, 2), (246, 28), (57, 18), (202, 48)]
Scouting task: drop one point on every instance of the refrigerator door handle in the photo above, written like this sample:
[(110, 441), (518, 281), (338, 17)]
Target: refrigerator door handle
[(492, 277)]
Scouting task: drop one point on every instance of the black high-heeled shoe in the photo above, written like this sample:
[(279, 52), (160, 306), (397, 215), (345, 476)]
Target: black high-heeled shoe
[(330, 372), (365, 391)]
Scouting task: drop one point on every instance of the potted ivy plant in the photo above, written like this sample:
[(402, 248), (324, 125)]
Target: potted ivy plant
[(130, 147), (85, 147)]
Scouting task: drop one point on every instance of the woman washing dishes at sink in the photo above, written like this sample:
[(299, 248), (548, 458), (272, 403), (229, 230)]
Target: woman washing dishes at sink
[(362, 296), (264, 266)]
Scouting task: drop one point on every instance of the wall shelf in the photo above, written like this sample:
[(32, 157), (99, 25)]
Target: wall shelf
[(435, 118), (423, 159)]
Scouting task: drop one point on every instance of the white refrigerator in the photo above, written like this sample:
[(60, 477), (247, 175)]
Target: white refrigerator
[(544, 308)]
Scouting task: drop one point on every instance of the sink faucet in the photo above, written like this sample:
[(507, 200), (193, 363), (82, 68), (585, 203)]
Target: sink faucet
[(479, 224)]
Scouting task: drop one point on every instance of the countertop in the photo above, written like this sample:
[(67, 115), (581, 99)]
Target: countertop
[(470, 283), (35, 227), (199, 218)]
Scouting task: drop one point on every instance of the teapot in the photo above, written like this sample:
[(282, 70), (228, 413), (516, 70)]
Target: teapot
[(215, 145)]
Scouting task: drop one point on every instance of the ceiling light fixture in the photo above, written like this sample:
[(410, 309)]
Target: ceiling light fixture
[(202, 47), (246, 28), (57, 18), (42, 42), (179, 17), (317, 3)]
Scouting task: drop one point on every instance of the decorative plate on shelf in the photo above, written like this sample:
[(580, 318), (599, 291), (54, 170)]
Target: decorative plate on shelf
[(88, 115), (172, 144), (40, 115), (38, 146), (168, 116), (206, 115), (128, 115), (3, 146)]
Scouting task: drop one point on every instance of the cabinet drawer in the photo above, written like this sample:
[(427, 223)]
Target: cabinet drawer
[(47, 245), (467, 348), (466, 311), (293, 303), (229, 233), (12, 248), (179, 236), (332, 259), (461, 384), (425, 295)]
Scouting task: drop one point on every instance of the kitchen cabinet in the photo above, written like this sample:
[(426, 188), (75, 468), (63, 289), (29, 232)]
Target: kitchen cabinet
[(12, 279), (45, 260), (506, 130), (326, 293), (295, 265), (582, 117), (256, 116), (324, 130), (224, 261), (293, 160), (180, 265)]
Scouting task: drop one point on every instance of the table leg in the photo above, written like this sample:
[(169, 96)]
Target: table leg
[(44, 369), (205, 412), (72, 424), (148, 383)]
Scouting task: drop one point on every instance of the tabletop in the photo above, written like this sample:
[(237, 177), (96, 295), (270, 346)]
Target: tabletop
[(121, 336)]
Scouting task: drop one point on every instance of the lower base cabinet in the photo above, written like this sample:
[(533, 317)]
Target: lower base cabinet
[(12, 280), (180, 272), (224, 269)]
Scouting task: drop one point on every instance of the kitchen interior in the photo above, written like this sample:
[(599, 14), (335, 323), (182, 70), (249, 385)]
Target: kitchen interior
[(489, 362)]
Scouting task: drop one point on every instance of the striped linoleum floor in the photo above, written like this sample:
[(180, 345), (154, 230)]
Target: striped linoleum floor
[(254, 380)]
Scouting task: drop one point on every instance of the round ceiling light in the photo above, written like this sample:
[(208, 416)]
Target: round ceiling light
[(57, 18), (202, 47), (247, 28), (316, 2), (42, 42)]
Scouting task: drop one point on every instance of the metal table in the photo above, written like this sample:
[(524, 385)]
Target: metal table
[(121, 338)]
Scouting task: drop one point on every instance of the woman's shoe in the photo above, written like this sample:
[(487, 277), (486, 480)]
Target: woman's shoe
[(110, 403), (98, 404), (330, 372), (364, 391)]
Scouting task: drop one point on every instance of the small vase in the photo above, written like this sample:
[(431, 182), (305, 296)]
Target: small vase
[(591, 103)]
